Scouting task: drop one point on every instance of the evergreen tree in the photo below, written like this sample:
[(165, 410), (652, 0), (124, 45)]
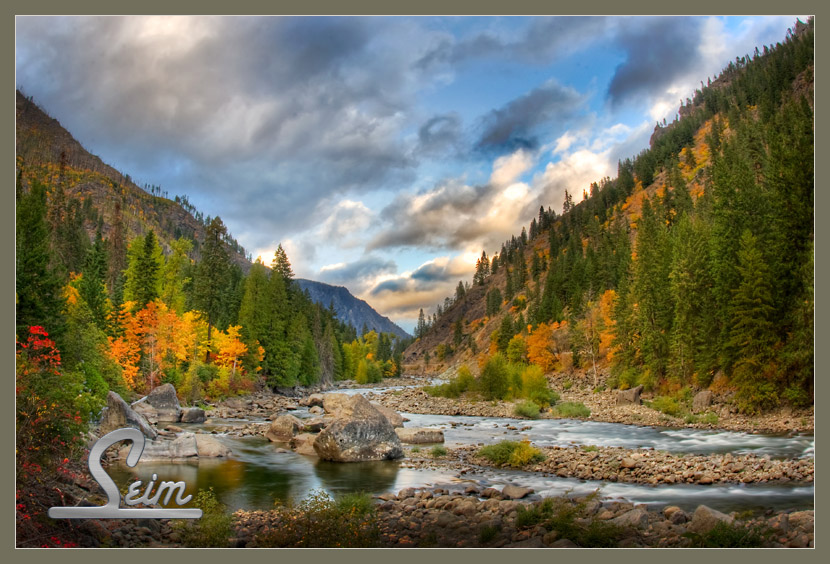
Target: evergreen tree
[(92, 288), (142, 282), (211, 277)]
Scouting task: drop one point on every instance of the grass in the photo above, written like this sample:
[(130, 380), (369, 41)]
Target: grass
[(512, 453), (571, 520), (527, 409), (487, 533), (667, 405), (213, 530), (589, 448), (416, 449), (318, 521), (726, 535), (571, 409), (437, 451)]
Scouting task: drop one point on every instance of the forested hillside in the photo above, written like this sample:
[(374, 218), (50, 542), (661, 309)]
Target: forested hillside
[(692, 269)]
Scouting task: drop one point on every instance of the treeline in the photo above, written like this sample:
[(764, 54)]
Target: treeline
[(694, 267)]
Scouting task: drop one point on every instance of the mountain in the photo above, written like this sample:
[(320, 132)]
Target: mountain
[(348, 308), (692, 269)]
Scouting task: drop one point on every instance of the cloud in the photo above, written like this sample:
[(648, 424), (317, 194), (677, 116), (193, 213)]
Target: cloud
[(359, 273), (658, 50), (516, 124), (346, 225), (440, 134)]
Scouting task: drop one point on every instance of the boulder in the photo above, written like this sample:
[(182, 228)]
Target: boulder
[(802, 520), (183, 446), (283, 428), (417, 436), (304, 444), (210, 447), (393, 416), (314, 424), (316, 410), (149, 412), (313, 400), (163, 399), (334, 403), (636, 518), (358, 433), (628, 397), (705, 518), (515, 492), (702, 400), (193, 415), (118, 414)]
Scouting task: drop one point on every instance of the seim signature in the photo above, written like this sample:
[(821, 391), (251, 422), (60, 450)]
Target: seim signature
[(112, 509)]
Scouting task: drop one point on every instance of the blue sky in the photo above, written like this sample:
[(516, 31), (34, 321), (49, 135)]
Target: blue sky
[(383, 153)]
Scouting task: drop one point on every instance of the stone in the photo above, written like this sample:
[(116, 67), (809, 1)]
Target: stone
[(636, 518), (705, 519), (564, 543), (334, 403), (283, 428), (314, 425), (395, 419), (193, 415), (314, 400), (211, 447), (316, 410), (802, 520), (183, 446), (702, 400), (117, 414), (358, 433), (163, 399), (629, 397), (419, 435), (149, 412), (628, 463), (515, 492), (675, 515), (304, 444)]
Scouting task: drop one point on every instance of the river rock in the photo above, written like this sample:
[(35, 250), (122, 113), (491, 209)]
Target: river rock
[(193, 415), (118, 414), (359, 432), (334, 404), (283, 428), (304, 444), (210, 447), (163, 399), (419, 435), (314, 425), (802, 520), (313, 400), (636, 518), (628, 397), (316, 410), (705, 518), (702, 400), (395, 419), (182, 447), (515, 492), (149, 412)]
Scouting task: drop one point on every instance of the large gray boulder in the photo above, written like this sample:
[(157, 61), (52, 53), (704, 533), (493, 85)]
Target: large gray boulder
[(210, 447), (117, 414), (336, 405), (629, 397), (193, 415), (182, 447), (419, 435), (283, 428), (163, 399), (395, 418), (702, 400), (304, 444), (705, 519), (358, 433)]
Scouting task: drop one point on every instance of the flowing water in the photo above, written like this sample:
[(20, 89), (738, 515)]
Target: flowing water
[(260, 473)]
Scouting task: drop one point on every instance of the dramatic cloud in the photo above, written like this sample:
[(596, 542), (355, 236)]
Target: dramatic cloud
[(347, 223), (658, 52), (516, 125), (361, 272), (440, 135)]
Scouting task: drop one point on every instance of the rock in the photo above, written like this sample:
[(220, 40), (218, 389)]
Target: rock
[(359, 432), (316, 410), (564, 543), (334, 403), (675, 515), (183, 446), (515, 492), (283, 428), (394, 417), (419, 435), (705, 518), (314, 425), (118, 414), (291, 406), (628, 463), (149, 412), (193, 415), (702, 400), (211, 447), (632, 396), (304, 444), (163, 399), (314, 400), (802, 520), (174, 428), (636, 518)]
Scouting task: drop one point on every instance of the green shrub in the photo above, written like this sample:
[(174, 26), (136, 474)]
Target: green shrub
[(726, 535), (526, 409), (797, 396), (512, 453), (535, 387), (571, 409), (416, 449), (612, 382), (589, 448), (567, 385), (455, 387), (487, 533), (709, 418), (437, 451), (319, 521), (213, 530), (667, 405), (571, 520), (494, 383)]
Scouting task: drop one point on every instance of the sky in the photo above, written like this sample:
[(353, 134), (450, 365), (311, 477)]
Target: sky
[(383, 153)]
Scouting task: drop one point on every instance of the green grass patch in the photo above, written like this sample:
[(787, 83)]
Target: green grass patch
[(526, 409), (487, 533), (726, 535), (667, 405), (571, 409), (437, 451), (571, 520), (512, 453)]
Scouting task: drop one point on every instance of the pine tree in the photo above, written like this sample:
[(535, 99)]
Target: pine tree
[(92, 288), (211, 275), (143, 275)]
